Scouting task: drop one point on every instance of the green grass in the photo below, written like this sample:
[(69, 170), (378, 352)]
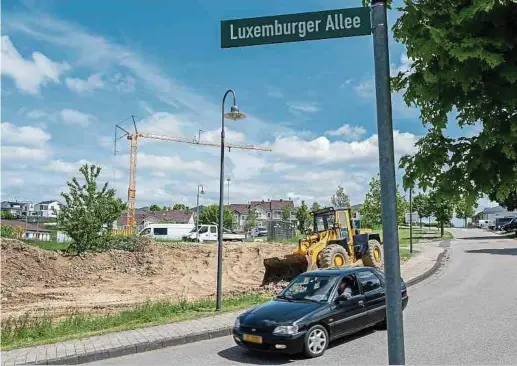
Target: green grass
[(47, 245), (28, 331)]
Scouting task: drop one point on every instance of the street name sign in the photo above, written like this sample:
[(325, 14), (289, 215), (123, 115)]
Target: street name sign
[(296, 27)]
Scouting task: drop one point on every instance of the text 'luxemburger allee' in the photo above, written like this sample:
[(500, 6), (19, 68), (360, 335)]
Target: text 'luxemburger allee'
[(295, 27)]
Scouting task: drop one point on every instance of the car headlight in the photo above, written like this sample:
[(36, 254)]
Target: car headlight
[(237, 323), (286, 329)]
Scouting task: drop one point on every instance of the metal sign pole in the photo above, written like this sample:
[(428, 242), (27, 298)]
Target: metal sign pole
[(388, 184)]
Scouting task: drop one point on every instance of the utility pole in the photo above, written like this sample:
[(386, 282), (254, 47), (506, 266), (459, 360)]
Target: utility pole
[(410, 221), (396, 354), (228, 179)]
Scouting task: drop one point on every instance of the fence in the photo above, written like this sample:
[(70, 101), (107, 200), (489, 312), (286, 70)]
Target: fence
[(280, 230)]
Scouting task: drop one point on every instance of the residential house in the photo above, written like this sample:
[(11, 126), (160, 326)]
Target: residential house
[(29, 209), (29, 231), (240, 214), (170, 217), (15, 208), (493, 213), (47, 208), (140, 214)]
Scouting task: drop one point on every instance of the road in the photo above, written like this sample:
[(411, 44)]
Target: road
[(465, 314)]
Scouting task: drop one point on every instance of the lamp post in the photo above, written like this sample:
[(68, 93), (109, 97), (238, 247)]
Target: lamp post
[(228, 180), (234, 114), (197, 209), (410, 221)]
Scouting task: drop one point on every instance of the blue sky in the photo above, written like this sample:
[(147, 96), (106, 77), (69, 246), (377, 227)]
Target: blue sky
[(72, 69)]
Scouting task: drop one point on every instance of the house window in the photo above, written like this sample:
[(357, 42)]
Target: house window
[(269, 215)]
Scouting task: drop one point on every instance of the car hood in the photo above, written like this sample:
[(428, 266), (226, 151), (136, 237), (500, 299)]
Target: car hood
[(278, 312)]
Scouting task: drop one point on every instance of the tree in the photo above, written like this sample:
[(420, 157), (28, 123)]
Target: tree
[(422, 206), (210, 216), (464, 64), (154, 208), (340, 198), (371, 211), (180, 207), (251, 219), (442, 208), (6, 215), (315, 206), (465, 208), (286, 213), (88, 210), (303, 216)]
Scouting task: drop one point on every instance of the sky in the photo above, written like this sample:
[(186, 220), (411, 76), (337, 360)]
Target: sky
[(72, 70)]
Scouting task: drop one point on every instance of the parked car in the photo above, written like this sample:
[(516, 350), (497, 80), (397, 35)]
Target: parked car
[(511, 226), (309, 313), (258, 232), (500, 222)]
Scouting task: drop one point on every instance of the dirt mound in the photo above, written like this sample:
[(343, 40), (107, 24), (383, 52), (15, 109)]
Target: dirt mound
[(41, 281)]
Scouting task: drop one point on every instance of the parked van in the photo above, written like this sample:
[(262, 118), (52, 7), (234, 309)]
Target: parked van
[(167, 231)]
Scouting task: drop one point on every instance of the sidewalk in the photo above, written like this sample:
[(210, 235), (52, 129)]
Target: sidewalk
[(154, 337)]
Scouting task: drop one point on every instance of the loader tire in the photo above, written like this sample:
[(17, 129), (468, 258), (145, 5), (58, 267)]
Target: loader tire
[(374, 257), (334, 255)]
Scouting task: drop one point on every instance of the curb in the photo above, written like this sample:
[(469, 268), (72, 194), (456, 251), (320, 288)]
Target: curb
[(440, 261), (136, 348), (196, 337)]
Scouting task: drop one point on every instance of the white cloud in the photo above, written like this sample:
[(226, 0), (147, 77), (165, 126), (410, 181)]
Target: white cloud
[(404, 66), (307, 107), (124, 84), (348, 132), (37, 114), (74, 117), (230, 136), (162, 123), (365, 89), (321, 150), (246, 164), (81, 86), (24, 153), (23, 135), (170, 163), (29, 75), (72, 168)]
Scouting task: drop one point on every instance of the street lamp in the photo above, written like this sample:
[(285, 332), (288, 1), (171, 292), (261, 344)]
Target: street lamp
[(197, 209), (235, 115), (228, 180)]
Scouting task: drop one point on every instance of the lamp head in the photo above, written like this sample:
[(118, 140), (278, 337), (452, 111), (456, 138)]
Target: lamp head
[(234, 114)]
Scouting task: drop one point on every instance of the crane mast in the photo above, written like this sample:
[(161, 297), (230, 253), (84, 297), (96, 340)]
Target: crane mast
[(133, 140)]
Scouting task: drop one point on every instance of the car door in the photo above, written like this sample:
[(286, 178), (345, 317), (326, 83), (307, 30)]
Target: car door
[(347, 317), (213, 233), (203, 233), (374, 296)]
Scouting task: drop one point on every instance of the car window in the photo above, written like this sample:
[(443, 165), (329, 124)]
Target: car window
[(213, 229), (160, 231), (203, 229), (315, 288), (368, 280)]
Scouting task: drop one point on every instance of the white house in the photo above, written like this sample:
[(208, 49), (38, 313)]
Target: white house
[(47, 208)]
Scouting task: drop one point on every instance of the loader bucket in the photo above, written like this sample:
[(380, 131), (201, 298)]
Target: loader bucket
[(284, 269)]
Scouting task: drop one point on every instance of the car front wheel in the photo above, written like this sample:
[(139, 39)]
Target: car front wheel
[(316, 341)]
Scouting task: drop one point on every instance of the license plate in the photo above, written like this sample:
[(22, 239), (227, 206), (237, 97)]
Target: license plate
[(252, 338)]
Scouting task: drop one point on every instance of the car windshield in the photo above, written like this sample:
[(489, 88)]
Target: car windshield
[(309, 288), (261, 229), (324, 221), (195, 229)]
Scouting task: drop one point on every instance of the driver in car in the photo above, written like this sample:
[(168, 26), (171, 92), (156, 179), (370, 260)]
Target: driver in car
[(345, 287)]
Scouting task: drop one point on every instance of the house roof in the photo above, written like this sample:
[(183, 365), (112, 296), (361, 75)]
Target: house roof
[(241, 208), (273, 204), (47, 202), (23, 224), (495, 209), (171, 215), (139, 217)]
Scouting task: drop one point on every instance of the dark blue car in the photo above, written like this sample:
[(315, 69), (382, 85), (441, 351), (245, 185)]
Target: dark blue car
[(310, 312)]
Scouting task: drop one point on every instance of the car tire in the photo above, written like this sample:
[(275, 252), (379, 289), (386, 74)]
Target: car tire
[(382, 325), (316, 341)]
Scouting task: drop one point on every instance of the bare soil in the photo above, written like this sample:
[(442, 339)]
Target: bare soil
[(41, 282)]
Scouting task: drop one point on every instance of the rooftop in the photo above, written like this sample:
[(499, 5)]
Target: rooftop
[(25, 226)]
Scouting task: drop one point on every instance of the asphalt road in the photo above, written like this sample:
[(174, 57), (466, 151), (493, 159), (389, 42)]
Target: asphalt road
[(465, 314)]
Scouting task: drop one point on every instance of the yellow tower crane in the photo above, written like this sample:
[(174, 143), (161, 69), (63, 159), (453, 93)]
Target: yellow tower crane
[(133, 140)]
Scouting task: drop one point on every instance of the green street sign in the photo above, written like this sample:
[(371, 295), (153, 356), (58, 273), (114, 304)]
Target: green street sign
[(296, 27)]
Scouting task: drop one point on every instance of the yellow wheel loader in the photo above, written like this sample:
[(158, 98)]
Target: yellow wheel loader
[(335, 241)]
